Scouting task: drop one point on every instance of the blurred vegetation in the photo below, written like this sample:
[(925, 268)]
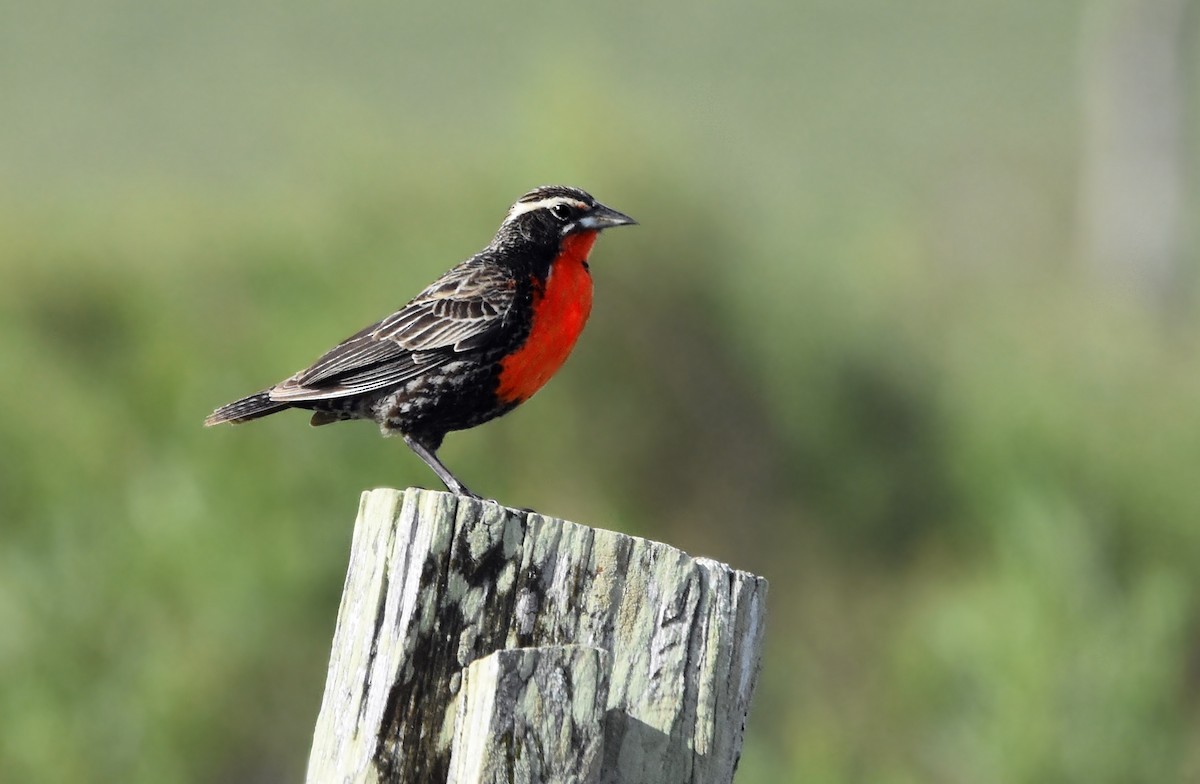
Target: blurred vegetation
[(852, 347)]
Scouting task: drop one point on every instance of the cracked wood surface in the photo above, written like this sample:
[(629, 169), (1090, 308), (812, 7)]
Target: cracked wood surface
[(437, 581), (531, 715)]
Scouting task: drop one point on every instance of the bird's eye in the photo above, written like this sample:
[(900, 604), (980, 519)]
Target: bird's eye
[(561, 211)]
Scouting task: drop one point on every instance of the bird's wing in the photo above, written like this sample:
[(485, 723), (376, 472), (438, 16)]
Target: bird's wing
[(456, 314)]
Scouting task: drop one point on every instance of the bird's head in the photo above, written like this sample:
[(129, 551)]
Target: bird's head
[(548, 214)]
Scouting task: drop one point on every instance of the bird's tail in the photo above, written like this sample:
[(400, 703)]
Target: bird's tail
[(257, 405)]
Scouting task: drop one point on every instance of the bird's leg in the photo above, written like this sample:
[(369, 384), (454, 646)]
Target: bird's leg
[(448, 479)]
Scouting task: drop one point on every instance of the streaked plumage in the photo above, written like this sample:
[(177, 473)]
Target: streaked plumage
[(474, 344)]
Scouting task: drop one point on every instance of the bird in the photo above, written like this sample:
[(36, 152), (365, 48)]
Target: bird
[(472, 346)]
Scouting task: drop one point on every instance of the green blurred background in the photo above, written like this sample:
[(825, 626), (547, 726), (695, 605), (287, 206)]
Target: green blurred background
[(909, 327)]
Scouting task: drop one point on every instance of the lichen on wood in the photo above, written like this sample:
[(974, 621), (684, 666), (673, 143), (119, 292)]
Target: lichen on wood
[(531, 715), (437, 582)]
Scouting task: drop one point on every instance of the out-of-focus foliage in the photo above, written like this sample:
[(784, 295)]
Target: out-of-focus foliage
[(851, 347)]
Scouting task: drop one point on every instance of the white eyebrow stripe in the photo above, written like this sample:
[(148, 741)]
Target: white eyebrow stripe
[(522, 207)]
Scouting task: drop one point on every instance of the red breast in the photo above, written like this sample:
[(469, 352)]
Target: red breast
[(561, 305)]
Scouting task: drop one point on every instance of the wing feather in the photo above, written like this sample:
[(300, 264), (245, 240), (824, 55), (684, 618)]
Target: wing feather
[(457, 313)]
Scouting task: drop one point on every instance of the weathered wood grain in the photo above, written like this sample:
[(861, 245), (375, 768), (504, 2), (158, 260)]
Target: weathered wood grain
[(437, 581), (532, 715)]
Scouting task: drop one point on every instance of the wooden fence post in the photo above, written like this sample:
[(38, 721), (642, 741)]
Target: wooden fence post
[(477, 643)]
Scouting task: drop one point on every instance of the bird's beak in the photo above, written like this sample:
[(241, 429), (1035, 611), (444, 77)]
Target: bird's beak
[(602, 217)]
